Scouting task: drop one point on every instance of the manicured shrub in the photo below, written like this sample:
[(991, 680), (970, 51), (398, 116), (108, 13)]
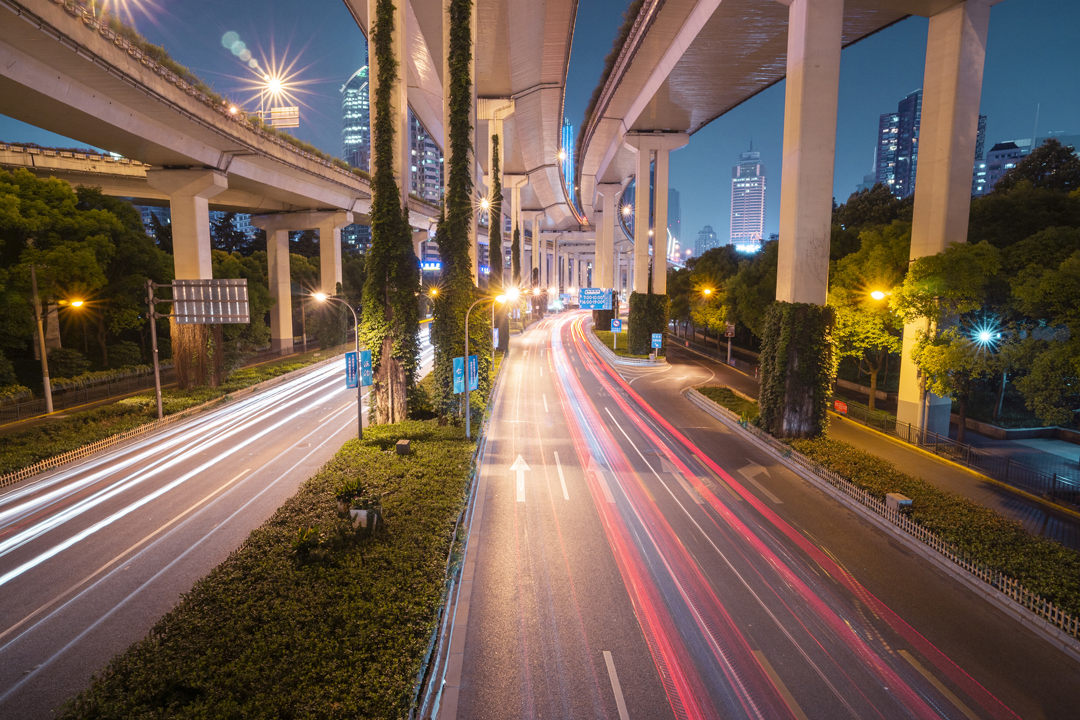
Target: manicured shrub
[(124, 354), (67, 363), (744, 408)]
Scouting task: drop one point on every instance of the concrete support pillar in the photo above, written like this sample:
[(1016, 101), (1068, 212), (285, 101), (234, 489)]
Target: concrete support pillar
[(644, 144), (399, 108), (952, 88), (810, 106), (537, 252), (641, 220), (277, 261), (514, 183), (659, 257), (330, 249), (606, 268), (189, 192)]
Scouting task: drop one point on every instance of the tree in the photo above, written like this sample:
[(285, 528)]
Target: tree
[(304, 242), (238, 340), (1005, 218), (162, 233), (950, 363), (226, 236), (496, 273), (876, 206), (752, 289), (1052, 166), (515, 256), (390, 316)]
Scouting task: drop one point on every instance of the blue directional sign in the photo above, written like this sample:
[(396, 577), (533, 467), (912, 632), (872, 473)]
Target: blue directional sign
[(365, 368), (474, 373), (594, 299), (351, 372), (566, 299), (495, 337), (616, 326), (657, 340), (459, 375)]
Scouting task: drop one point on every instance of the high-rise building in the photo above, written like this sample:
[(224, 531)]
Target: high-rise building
[(898, 145), (706, 240), (356, 121), (426, 163), (1005, 155), (674, 219), (748, 202)]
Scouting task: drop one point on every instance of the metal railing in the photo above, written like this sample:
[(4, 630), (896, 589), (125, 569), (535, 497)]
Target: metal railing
[(81, 396), (1053, 486), (719, 356)]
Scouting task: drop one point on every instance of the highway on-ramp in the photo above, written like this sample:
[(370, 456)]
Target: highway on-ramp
[(637, 559)]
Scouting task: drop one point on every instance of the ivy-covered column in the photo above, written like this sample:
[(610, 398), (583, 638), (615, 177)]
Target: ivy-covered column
[(390, 324), (797, 369), (496, 274)]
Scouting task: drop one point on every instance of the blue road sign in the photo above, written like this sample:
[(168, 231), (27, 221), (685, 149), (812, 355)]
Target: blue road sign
[(657, 340), (365, 368), (459, 375), (566, 299), (595, 299), (495, 338), (351, 375), (474, 373), (616, 326)]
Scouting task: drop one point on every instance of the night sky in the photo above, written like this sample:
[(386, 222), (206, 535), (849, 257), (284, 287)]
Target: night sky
[(1031, 59)]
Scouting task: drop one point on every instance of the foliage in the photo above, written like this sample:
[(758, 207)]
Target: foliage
[(798, 366), (948, 284), (390, 314), (648, 315), (242, 338), (14, 393), (342, 634), (747, 409), (1005, 218), (607, 338), (1051, 165), (515, 256), (752, 289), (67, 363), (99, 377), (495, 226), (951, 363), (865, 209), (1041, 565), (226, 236), (125, 354)]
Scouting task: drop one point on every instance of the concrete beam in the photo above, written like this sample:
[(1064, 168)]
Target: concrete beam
[(188, 192)]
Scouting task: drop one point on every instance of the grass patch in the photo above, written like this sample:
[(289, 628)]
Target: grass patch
[(336, 631), (736, 403), (1043, 566), (605, 337), (26, 447)]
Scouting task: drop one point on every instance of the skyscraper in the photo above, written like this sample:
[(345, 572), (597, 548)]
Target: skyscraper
[(426, 163), (898, 145), (674, 217), (706, 240), (355, 121), (748, 202)]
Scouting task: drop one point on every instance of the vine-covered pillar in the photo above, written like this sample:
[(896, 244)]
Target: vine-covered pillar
[(399, 99), (796, 362), (466, 71), (952, 88)]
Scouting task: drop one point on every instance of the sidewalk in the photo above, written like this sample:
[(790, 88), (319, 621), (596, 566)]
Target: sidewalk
[(1036, 517)]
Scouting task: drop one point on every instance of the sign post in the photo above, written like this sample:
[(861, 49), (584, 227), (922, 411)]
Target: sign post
[(616, 328), (729, 332), (657, 343)]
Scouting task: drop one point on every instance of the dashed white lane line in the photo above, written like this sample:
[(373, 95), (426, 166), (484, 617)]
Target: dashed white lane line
[(620, 702), (562, 479), (545, 403)]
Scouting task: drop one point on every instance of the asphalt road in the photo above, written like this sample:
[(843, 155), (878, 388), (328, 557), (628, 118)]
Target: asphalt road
[(93, 555), (662, 566)]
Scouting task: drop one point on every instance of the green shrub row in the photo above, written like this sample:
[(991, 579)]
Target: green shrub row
[(99, 377), (23, 448), (605, 336), (14, 393), (1042, 566), (309, 618), (746, 409)]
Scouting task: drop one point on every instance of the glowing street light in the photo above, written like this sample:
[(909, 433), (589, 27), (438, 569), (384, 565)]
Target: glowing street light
[(485, 204), (323, 297), (706, 291), (562, 155), (76, 303), (878, 295)]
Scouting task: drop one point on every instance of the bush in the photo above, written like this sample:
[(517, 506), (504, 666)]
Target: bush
[(309, 618), (67, 363), (125, 354), (1041, 565), (648, 315), (747, 409), (606, 338)]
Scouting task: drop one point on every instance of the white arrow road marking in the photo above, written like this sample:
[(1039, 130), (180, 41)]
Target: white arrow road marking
[(562, 479), (520, 467), (753, 469)]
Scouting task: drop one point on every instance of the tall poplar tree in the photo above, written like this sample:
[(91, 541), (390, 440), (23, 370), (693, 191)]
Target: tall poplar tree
[(390, 324)]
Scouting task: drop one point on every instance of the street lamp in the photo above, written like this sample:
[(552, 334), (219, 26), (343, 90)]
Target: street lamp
[(41, 342), (877, 295), (512, 293), (323, 297)]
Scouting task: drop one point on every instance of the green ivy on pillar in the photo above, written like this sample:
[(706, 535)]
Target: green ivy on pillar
[(798, 366), (648, 315)]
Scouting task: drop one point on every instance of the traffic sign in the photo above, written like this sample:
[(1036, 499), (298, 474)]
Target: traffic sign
[(841, 406), (459, 375), (474, 373), (616, 326), (351, 370), (365, 368), (657, 340), (729, 331), (594, 299), (495, 337)]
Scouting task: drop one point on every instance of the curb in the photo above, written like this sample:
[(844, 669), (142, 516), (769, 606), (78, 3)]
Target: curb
[(1052, 634), (613, 359)]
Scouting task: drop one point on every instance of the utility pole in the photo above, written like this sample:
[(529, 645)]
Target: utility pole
[(41, 342)]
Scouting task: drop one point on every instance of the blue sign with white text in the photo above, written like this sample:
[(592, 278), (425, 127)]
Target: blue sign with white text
[(616, 326), (459, 375), (351, 374), (365, 368), (594, 299), (657, 340), (474, 373), (495, 338)]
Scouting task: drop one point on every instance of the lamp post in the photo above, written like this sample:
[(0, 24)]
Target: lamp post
[(500, 299), (323, 297), (41, 341)]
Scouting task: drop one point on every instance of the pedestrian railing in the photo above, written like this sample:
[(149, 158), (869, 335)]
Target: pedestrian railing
[(1010, 588), (679, 341), (14, 412)]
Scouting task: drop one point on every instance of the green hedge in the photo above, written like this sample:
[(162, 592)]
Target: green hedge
[(23, 448), (720, 395), (648, 315), (309, 618), (797, 369), (1043, 566), (605, 337)]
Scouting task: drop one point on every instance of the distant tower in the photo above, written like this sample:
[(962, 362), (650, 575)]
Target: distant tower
[(898, 145), (426, 161), (748, 202), (355, 121), (674, 217), (706, 240)]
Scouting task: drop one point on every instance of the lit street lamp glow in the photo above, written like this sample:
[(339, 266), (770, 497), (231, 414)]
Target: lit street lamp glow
[(877, 295)]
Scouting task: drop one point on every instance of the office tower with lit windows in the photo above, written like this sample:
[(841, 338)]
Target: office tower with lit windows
[(706, 240), (898, 145), (355, 121), (748, 202), (426, 163)]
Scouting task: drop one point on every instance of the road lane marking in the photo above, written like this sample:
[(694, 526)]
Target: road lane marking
[(753, 469), (784, 692), (941, 687), (562, 478), (620, 702), (594, 468), (122, 554), (545, 403), (519, 467)]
